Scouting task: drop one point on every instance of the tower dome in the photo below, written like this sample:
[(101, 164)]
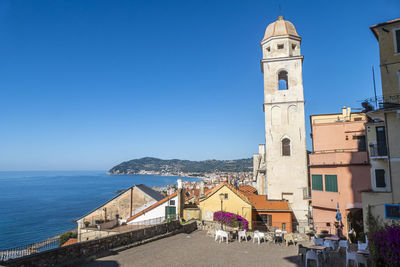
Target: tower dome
[(280, 27)]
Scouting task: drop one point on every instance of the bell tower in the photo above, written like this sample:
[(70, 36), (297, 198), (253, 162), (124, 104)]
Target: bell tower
[(286, 156)]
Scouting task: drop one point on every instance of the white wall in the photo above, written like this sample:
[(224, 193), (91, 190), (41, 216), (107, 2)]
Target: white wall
[(156, 212)]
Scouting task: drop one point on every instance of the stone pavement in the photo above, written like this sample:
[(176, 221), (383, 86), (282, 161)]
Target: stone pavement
[(198, 249)]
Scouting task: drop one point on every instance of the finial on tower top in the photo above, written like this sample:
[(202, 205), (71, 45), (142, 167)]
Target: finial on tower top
[(280, 18)]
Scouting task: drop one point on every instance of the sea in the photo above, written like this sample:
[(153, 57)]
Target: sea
[(35, 205)]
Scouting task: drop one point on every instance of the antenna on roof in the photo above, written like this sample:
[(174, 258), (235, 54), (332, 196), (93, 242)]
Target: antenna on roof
[(280, 9), (373, 78)]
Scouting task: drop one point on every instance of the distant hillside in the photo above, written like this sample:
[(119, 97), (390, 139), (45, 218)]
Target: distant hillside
[(175, 166)]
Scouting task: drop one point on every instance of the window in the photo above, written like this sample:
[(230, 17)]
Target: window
[(362, 146), (331, 183), (172, 202), (317, 182), (268, 49), (280, 46), (226, 196), (285, 147), (381, 140), (396, 37), (283, 80), (266, 218), (392, 211), (283, 226), (293, 46), (380, 178)]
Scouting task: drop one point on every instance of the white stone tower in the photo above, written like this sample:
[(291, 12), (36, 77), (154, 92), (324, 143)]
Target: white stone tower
[(286, 155)]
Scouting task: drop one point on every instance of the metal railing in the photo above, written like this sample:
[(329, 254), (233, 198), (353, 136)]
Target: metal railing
[(376, 150), (385, 101), (26, 250)]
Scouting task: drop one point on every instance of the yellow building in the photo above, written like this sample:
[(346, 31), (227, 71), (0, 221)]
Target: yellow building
[(383, 129), (232, 201)]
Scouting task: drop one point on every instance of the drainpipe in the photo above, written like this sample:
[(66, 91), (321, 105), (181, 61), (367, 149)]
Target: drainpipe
[(388, 152)]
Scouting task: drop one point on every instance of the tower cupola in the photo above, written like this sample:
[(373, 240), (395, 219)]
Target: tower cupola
[(281, 39)]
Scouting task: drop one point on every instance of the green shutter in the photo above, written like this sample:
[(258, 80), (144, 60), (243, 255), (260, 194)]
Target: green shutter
[(317, 182), (331, 183)]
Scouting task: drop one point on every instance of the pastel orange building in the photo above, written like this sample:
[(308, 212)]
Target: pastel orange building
[(339, 170)]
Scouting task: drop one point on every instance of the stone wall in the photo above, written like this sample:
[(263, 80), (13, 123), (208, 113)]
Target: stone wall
[(88, 250)]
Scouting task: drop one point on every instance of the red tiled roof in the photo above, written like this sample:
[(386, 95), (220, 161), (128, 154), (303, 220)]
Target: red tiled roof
[(260, 202), (70, 242), (247, 190), (232, 188), (152, 206)]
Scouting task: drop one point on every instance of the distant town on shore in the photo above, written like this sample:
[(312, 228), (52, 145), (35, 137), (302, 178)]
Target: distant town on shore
[(155, 166)]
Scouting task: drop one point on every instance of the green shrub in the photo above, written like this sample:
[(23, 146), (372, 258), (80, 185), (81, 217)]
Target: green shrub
[(65, 236)]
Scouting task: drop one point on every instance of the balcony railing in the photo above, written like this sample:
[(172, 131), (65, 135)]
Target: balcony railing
[(377, 150), (384, 102)]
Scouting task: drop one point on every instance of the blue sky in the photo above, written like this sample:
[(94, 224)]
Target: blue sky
[(88, 84)]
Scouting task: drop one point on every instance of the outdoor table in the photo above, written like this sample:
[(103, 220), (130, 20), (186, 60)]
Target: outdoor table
[(332, 238), (363, 252), (316, 248)]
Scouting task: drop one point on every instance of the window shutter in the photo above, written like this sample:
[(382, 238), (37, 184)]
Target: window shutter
[(331, 183), (269, 220), (317, 182), (380, 178)]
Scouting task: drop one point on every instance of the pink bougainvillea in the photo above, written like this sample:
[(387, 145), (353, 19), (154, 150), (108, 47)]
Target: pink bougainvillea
[(231, 219), (385, 246)]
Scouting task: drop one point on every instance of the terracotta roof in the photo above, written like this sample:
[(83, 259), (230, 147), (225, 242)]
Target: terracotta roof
[(248, 190), (373, 28), (152, 206), (150, 192), (280, 27), (232, 188), (70, 242), (260, 202)]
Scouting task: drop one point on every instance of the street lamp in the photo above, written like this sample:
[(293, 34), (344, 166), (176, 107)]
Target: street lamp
[(221, 196)]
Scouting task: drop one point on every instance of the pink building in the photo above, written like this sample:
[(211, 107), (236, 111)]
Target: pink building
[(339, 169)]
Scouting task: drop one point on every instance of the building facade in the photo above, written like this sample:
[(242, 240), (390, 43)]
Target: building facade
[(383, 129), (339, 170), (286, 158)]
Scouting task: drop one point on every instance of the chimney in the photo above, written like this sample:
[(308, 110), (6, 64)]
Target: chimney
[(201, 188)]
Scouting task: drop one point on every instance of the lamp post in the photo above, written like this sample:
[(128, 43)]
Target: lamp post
[(221, 196)]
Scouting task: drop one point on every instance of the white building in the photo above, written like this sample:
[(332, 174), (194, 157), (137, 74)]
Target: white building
[(283, 174)]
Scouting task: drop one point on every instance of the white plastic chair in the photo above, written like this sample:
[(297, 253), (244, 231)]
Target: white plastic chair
[(351, 255), (259, 236), (361, 259), (278, 235), (217, 234), (223, 235), (311, 255), (242, 234), (343, 244), (329, 244), (362, 246)]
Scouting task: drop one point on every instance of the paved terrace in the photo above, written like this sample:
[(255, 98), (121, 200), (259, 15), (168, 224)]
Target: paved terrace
[(198, 249)]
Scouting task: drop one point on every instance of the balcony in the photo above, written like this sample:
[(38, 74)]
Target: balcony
[(382, 102), (377, 151)]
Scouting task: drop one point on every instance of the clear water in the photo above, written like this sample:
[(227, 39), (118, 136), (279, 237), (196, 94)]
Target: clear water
[(36, 205)]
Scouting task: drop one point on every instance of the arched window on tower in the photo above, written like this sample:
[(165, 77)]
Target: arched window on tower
[(285, 147), (283, 80)]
